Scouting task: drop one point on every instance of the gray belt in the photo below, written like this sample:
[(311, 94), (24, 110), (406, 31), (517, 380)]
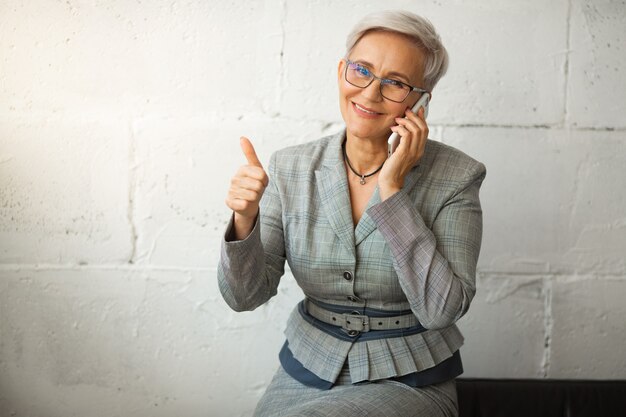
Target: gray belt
[(355, 322)]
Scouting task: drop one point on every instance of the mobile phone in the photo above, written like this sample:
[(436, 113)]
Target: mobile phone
[(394, 139)]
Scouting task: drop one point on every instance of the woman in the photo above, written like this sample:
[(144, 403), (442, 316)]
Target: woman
[(384, 246)]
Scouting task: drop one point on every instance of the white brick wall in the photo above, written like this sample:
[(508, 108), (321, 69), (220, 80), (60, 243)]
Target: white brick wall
[(119, 127)]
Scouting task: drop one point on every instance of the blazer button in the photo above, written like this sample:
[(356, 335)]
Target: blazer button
[(347, 276)]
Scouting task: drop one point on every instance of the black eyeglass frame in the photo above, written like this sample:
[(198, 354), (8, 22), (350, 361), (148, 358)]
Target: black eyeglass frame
[(380, 86)]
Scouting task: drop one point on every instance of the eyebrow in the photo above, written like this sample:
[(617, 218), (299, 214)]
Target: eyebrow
[(392, 73)]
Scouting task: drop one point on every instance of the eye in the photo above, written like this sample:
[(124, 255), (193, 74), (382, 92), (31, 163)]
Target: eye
[(364, 71), (393, 84), (361, 71)]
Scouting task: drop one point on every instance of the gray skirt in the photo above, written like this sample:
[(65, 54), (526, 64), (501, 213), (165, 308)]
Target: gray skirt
[(286, 397)]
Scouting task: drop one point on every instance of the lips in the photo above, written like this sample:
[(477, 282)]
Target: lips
[(364, 111)]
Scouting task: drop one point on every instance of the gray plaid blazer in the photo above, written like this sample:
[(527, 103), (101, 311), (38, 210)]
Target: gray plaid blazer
[(416, 250)]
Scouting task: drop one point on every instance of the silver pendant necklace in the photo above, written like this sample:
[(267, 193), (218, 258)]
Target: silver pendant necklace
[(362, 176)]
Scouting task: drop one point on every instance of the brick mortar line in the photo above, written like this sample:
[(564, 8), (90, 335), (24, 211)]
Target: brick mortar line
[(548, 322), (139, 267), (544, 127), (555, 126), (102, 267), (568, 23), (215, 117), (558, 276), (283, 36), (132, 186)]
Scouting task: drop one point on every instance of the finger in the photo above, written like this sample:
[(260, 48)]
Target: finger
[(410, 125), (418, 136), (253, 172), (418, 118), (248, 184), (237, 205), (403, 132), (411, 139), (419, 131), (419, 112), (244, 194), (249, 152), (413, 129)]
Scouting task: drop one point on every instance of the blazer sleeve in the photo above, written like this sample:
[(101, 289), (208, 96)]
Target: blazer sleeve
[(436, 268), (249, 270)]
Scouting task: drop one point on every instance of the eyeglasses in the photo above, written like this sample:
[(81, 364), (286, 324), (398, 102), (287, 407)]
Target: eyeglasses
[(394, 90)]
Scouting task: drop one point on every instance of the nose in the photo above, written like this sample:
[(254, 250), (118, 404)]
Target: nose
[(372, 91)]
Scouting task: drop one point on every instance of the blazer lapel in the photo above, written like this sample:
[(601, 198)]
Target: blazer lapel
[(332, 186), (366, 225)]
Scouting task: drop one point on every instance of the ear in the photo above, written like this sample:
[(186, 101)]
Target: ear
[(340, 68)]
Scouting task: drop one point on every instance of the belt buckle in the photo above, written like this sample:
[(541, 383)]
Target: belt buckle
[(355, 323)]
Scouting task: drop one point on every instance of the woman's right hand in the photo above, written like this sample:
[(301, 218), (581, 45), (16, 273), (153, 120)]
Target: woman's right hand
[(246, 189)]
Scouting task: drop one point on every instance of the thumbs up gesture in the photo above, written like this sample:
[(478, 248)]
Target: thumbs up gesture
[(246, 189)]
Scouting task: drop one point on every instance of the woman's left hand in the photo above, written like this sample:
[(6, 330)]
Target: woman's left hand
[(413, 131)]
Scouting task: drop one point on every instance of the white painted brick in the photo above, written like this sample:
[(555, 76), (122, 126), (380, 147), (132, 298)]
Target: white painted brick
[(64, 191), (597, 64), (139, 57), (504, 328), (597, 227), (506, 65), (183, 175), (589, 332), (119, 126), (140, 342), (552, 199), (71, 342)]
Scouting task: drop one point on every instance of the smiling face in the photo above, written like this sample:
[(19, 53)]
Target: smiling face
[(367, 114)]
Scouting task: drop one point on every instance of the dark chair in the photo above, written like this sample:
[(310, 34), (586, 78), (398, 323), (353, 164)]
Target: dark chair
[(541, 398)]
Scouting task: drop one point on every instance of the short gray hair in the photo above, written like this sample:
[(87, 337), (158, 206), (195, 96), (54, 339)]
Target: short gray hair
[(417, 29)]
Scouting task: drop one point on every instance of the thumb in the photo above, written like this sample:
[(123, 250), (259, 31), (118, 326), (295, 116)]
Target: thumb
[(248, 151)]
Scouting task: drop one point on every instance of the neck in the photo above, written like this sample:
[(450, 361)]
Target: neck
[(366, 154)]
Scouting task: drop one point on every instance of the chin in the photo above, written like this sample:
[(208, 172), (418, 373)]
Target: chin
[(365, 128), (364, 131), (367, 134)]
